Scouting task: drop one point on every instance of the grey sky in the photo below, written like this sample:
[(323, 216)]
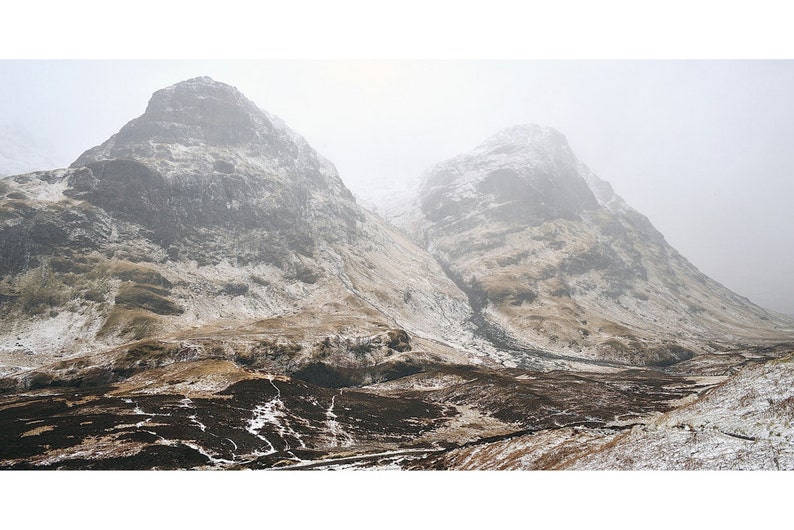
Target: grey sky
[(704, 149)]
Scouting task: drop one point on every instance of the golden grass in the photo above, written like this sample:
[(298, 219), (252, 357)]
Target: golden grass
[(37, 431), (137, 273), (135, 323)]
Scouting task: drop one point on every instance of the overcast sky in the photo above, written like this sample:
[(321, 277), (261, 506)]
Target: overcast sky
[(704, 149)]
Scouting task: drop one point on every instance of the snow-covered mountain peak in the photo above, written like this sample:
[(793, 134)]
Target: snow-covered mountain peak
[(203, 101), (525, 133), (216, 105), (525, 172), (526, 141), (548, 250), (525, 149), (204, 127), (239, 211), (537, 155), (196, 112)]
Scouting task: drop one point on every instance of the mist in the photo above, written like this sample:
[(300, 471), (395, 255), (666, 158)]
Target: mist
[(700, 147)]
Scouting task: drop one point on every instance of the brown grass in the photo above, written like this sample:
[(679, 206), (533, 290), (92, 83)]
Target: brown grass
[(139, 274), (148, 298), (38, 430), (135, 324)]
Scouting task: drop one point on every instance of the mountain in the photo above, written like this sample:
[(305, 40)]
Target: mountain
[(204, 214), (201, 291), (552, 259)]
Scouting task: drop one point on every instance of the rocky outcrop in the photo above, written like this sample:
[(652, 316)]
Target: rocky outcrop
[(204, 158)]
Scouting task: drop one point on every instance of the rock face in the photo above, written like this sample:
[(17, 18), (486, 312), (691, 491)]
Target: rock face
[(204, 158), (551, 258), (524, 175), (204, 209)]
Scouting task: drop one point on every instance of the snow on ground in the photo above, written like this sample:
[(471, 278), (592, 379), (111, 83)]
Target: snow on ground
[(338, 435), (42, 186), (745, 423), (274, 413), (33, 342)]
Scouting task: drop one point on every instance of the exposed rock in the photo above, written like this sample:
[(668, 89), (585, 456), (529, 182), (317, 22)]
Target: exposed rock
[(551, 259), (204, 208)]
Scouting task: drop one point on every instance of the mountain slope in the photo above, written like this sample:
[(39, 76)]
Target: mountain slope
[(743, 423), (551, 258), (203, 212)]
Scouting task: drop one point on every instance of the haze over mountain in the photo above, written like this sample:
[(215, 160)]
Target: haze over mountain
[(201, 290), (20, 152), (549, 253)]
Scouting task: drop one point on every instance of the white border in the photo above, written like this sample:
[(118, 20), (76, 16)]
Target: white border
[(409, 29)]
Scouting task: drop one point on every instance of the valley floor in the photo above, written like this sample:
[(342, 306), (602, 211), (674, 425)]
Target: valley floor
[(452, 417), (164, 405)]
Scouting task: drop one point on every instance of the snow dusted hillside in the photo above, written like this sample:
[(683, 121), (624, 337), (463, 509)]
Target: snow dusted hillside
[(203, 210), (552, 257), (745, 423)]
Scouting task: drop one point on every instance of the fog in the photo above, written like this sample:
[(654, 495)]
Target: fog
[(703, 148)]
